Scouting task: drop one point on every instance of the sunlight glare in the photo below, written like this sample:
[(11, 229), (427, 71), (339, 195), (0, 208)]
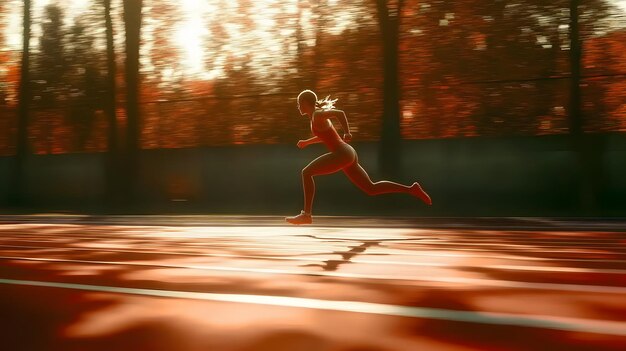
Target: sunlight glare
[(14, 26), (263, 44), (191, 32)]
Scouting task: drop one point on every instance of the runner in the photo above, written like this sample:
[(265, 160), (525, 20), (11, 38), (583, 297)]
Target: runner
[(341, 156)]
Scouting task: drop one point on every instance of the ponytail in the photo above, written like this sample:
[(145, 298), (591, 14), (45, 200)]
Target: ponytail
[(326, 103)]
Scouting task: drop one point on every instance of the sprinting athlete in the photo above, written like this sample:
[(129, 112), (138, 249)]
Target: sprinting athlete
[(341, 156)]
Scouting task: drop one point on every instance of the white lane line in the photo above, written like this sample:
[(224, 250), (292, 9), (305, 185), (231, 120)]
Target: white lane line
[(604, 327), (406, 280), (353, 260)]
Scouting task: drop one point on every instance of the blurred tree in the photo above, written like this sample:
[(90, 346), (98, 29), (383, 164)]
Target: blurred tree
[(504, 64), (4, 58), (604, 58), (9, 86), (238, 104), (86, 84), (165, 54), (575, 116), (51, 80), (466, 68), (389, 14), (16, 189), (523, 41), (320, 15), (51, 60), (132, 25), (113, 169), (300, 46), (588, 148), (479, 68)]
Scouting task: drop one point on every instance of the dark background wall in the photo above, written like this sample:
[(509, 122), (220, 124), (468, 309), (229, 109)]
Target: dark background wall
[(523, 176)]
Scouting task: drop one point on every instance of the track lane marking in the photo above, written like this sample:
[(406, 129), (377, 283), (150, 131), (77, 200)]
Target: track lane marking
[(508, 267), (427, 254), (304, 250), (407, 280), (603, 327)]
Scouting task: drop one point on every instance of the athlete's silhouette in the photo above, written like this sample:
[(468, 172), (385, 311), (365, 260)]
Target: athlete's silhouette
[(341, 156)]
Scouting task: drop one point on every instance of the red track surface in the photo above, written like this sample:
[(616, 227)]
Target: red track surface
[(226, 283)]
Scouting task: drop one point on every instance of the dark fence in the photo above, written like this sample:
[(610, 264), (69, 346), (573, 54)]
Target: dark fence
[(465, 176)]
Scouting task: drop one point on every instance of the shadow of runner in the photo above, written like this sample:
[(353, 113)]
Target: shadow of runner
[(333, 265)]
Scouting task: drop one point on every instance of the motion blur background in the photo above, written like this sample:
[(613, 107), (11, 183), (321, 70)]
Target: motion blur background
[(511, 107)]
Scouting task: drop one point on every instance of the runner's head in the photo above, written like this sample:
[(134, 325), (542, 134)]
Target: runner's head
[(306, 102)]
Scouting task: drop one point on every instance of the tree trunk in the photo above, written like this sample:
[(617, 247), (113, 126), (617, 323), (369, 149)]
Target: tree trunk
[(389, 154), (112, 168), (16, 192), (588, 148), (132, 21), (575, 118), (318, 53)]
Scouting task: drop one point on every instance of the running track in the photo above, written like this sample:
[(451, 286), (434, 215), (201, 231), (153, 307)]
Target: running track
[(345, 284)]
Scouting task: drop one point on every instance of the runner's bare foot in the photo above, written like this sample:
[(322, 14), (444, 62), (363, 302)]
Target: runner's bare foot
[(416, 190)]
